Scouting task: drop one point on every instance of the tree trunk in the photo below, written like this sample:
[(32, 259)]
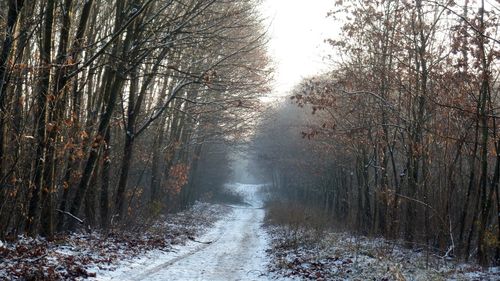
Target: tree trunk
[(105, 176), (15, 6), (42, 98), (114, 79)]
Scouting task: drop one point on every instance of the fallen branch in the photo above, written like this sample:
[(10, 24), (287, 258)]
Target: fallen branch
[(71, 215), (39, 258), (201, 242)]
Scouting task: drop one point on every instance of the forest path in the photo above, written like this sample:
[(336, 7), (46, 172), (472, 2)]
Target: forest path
[(234, 249)]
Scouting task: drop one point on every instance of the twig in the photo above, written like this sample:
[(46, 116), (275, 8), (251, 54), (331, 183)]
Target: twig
[(39, 258), (201, 242), (470, 24), (452, 246), (71, 215), (256, 270)]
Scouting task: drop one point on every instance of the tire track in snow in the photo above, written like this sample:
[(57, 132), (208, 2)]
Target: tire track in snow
[(164, 265), (236, 253)]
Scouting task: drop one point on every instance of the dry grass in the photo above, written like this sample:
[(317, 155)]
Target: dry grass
[(303, 224)]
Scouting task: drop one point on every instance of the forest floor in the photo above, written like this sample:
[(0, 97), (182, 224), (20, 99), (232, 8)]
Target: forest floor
[(226, 242), (96, 256), (234, 248), (301, 255)]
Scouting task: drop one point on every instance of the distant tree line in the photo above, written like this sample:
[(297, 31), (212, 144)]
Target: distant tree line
[(110, 110), (403, 140)]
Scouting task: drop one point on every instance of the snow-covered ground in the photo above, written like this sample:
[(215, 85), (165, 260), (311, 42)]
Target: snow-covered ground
[(250, 193), (344, 257), (234, 249), (82, 256), (217, 243)]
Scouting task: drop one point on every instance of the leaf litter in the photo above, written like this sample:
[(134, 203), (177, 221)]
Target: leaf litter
[(83, 255), (341, 256)]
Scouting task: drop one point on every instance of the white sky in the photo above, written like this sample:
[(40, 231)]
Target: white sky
[(297, 30)]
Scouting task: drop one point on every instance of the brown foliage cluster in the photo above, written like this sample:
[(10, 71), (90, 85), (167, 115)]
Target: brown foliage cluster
[(178, 177), (107, 107), (406, 127)]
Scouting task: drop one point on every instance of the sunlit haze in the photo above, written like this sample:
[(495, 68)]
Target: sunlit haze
[(297, 30)]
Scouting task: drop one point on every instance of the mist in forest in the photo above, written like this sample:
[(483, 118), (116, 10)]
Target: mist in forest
[(115, 114), (242, 171)]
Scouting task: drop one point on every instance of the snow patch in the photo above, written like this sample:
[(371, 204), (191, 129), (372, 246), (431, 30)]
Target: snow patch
[(86, 255), (342, 256), (252, 194), (233, 249)]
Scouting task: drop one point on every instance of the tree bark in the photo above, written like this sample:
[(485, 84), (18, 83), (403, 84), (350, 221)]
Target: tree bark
[(42, 100), (15, 7)]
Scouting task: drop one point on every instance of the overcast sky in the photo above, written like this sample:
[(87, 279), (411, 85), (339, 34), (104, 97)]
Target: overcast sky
[(298, 29)]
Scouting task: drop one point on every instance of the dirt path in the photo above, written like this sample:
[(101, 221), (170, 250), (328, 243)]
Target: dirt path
[(234, 249)]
